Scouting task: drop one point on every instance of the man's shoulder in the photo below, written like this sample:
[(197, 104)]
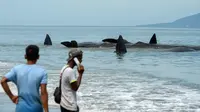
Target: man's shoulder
[(24, 65), (67, 71), (66, 68), (18, 66), (36, 68), (40, 68)]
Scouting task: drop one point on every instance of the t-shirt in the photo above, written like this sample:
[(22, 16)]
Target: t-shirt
[(68, 97), (28, 79)]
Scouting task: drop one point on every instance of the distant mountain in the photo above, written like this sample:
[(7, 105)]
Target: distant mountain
[(186, 22)]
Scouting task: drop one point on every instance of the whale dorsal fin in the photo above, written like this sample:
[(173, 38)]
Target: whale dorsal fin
[(47, 40), (153, 39)]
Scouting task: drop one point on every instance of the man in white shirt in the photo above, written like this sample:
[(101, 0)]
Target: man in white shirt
[(70, 83)]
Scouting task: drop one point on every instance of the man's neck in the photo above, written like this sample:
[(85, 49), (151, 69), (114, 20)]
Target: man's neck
[(29, 62), (71, 64)]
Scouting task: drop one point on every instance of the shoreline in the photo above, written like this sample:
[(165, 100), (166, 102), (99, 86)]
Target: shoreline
[(7, 106)]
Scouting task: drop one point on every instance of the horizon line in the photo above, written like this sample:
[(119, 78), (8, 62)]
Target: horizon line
[(68, 25)]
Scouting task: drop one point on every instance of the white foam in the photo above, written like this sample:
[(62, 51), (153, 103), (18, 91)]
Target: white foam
[(6, 64), (4, 67), (132, 93), (1, 89), (112, 92), (13, 88)]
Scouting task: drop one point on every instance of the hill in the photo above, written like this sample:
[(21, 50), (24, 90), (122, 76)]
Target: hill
[(192, 21)]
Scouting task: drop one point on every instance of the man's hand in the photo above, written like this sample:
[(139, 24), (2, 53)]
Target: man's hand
[(14, 99), (80, 69)]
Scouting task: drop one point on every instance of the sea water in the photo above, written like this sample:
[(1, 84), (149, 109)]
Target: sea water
[(142, 80)]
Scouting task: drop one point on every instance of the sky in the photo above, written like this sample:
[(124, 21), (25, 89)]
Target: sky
[(94, 12)]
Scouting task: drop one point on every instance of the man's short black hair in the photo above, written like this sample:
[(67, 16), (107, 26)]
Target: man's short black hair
[(32, 52)]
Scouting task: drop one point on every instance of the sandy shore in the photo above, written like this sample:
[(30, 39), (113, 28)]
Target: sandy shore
[(7, 106)]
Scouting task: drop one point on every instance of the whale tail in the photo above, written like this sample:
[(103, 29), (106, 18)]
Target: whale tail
[(110, 40), (74, 44), (47, 40), (153, 39), (120, 46)]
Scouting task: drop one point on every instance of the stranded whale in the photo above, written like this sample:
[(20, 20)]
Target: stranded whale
[(120, 46)]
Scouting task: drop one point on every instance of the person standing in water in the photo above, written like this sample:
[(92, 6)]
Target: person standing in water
[(69, 82), (28, 78)]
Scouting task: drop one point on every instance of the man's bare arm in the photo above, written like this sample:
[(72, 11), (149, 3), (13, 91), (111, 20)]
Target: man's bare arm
[(75, 85), (6, 88), (44, 97)]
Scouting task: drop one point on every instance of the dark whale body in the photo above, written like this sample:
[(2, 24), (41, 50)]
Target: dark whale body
[(120, 45)]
